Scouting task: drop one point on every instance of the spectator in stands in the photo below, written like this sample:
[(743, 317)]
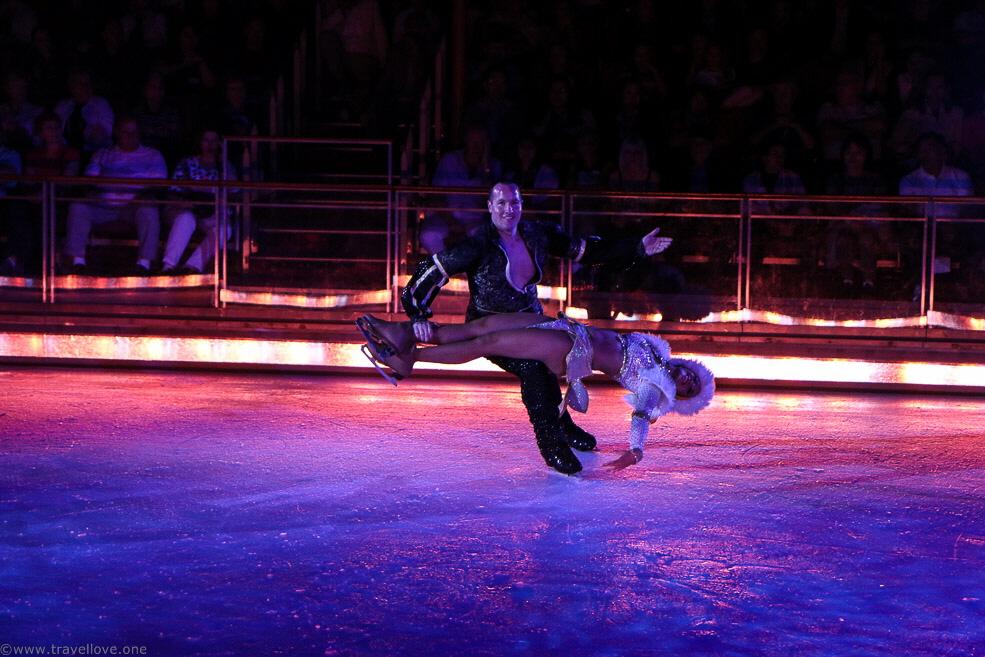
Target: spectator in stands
[(877, 69), (560, 124), (127, 158), (18, 113), (933, 113), (777, 237), (846, 113), (588, 170), (701, 171), (972, 153), (45, 66), (116, 64), (853, 246), (935, 177), (634, 173), (409, 64), (87, 119), (643, 66), (472, 165), (53, 157), (194, 208), (188, 75), (630, 117), (784, 124), (237, 116), (145, 28), (502, 118), (354, 43), (256, 63), (910, 81), (160, 120), (13, 217), (529, 171), (711, 70)]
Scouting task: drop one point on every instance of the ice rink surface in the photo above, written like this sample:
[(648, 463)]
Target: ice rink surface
[(195, 513)]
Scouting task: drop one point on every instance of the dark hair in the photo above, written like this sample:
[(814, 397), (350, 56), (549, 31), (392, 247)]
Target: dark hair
[(43, 118), (860, 140), (935, 137)]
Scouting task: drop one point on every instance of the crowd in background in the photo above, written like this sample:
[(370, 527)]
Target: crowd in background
[(719, 96), (696, 96)]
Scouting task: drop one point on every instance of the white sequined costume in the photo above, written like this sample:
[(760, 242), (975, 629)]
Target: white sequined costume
[(645, 373)]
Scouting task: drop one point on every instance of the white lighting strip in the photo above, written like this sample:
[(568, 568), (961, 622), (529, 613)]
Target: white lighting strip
[(346, 355)]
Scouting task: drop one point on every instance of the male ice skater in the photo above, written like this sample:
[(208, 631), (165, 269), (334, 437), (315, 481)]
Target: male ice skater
[(504, 262)]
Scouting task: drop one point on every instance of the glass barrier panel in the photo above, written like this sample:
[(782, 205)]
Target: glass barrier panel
[(310, 240), (695, 278), (959, 259), (113, 224), (835, 259), (21, 243)]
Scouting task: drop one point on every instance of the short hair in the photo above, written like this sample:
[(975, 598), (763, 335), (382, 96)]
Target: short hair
[(43, 118), (860, 140), (509, 183)]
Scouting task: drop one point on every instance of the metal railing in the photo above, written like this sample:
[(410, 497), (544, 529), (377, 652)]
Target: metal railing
[(338, 245)]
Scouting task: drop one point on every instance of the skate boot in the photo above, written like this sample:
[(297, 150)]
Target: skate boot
[(399, 336), (558, 455), (575, 436)]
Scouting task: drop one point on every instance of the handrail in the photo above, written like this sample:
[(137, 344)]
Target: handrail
[(398, 209)]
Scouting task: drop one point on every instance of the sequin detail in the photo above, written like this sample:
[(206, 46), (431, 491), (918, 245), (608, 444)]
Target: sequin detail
[(578, 363)]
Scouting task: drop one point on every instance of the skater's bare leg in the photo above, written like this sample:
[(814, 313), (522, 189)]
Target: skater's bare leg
[(448, 333), (548, 346)]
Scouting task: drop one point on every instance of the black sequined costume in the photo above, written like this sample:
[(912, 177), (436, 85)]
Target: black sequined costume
[(483, 259)]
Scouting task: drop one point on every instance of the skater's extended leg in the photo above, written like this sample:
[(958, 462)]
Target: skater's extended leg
[(548, 346), (448, 333)]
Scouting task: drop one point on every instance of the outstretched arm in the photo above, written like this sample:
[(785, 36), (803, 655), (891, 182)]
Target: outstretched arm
[(638, 429), (653, 245)]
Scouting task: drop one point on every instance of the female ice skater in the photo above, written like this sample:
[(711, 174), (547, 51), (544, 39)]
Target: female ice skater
[(639, 362)]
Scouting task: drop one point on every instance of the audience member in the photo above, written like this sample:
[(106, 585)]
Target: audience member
[(912, 77), (701, 171), (853, 245), (195, 207), (237, 117), (847, 113), (52, 157), (87, 119), (145, 28), (502, 118), (17, 114), (160, 120), (934, 112), (631, 118), (45, 66), (115, 64), (255, 62), (13, 217), (528, 170), (409, 63), (354, 43), (472, 165), (877, 69), (588, 170), (934, 177), (127, 158), (784, 124), (188, 75), (778, 237), (560, 124), (633, 172), (711, 70)]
